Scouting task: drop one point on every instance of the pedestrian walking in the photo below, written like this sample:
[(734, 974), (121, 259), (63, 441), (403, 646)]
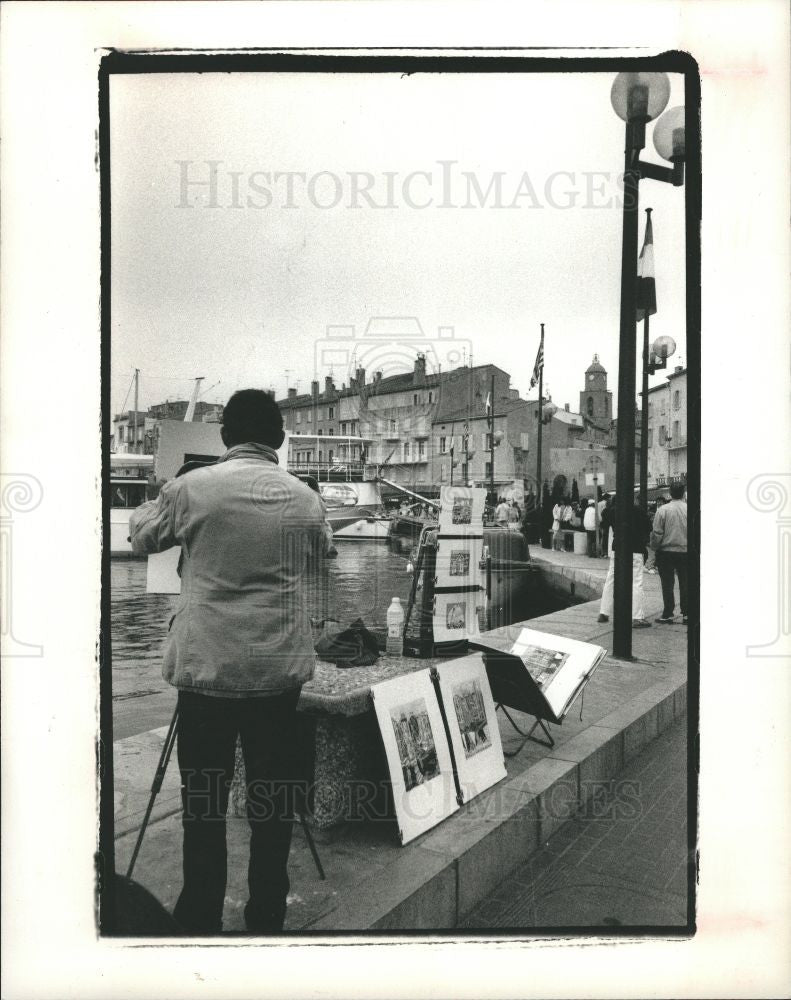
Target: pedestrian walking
[(557, 524), (238, 650), (640, 532), (589, 524), (501, 513), (669, 542)]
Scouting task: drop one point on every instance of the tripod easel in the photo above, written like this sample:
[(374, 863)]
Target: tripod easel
[(156, 785), (548, 742)]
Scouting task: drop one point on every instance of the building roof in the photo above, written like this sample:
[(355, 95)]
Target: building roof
[(596, 366), (400, 382)]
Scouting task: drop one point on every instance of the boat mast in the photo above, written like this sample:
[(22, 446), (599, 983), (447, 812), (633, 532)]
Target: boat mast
[(189, 416), (134, 419)]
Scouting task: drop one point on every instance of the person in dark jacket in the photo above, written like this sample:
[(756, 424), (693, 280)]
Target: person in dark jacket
[(641, 529)]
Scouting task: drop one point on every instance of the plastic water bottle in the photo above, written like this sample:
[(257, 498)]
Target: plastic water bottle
[(395, 628)]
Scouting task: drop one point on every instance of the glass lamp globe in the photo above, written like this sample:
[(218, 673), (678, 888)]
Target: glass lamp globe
[(664, 347), (640, 96), (669, 135)]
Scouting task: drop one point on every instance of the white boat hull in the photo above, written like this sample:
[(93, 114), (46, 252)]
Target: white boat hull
[(366, 529)]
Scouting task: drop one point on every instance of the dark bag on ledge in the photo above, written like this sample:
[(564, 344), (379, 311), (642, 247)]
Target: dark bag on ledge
[(354, 646)]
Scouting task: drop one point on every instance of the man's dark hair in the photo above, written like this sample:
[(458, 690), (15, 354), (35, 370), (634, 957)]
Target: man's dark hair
[(252, 415), (677, 490)]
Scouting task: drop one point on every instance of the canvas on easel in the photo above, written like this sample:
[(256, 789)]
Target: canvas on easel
[(461, 511)]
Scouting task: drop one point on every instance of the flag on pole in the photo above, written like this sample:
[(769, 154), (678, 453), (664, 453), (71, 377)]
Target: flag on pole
[(466, 435), (538, 366), (488, 404), (646, 281)]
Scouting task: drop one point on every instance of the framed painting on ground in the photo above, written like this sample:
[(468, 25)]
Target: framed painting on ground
[(472, 724), (416, 747)]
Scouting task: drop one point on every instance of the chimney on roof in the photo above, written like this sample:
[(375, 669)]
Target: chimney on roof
[(679, 368), (292, 393), (353, 384), (566, 407), (377, 376), (360, 376), (314, 388), (419, 375), (329, 385)]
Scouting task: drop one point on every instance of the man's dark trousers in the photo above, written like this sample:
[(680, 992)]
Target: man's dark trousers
[(670, 565), (207, 732)]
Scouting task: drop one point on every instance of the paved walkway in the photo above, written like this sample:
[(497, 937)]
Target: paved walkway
[(622, 861)]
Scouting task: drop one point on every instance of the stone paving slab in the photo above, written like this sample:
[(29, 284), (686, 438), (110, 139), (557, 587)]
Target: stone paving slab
[(621, 862)]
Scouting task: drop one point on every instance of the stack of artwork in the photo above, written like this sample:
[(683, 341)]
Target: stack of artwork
[(441, 741), (459, 584)]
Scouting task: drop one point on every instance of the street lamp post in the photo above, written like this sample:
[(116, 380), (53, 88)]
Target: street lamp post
[(637, 98)]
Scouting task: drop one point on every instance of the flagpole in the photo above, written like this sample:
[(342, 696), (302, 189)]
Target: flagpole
[(644, 421), (644, 401), (491, 443)]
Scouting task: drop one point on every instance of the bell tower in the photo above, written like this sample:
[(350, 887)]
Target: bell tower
[(595, 399)]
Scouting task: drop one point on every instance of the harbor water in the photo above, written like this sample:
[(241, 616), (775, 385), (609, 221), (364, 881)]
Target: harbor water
[(359, 583)]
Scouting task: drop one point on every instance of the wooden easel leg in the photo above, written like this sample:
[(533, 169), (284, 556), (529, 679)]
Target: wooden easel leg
[(312, 845)]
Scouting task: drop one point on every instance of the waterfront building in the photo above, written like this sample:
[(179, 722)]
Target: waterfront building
[(667, 430)]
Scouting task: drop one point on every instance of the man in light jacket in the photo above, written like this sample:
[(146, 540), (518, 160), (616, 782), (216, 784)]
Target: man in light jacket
[(239, 649), (669, 541)]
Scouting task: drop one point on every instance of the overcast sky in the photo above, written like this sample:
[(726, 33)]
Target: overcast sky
[(242, 290)]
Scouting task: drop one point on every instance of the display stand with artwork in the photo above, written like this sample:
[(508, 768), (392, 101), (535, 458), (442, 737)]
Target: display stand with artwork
[(539, 674), (441, 740), (460, 573)]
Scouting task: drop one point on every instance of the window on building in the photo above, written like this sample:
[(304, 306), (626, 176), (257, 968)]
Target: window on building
[(310, 416), (487, 441), (406, 451), (675, 432), (650, 437), (421, 450), (676, 400), (299, 416), (331, 430), (343, 428), (431, 397), (331, 413), (488, 470), (662, 434), (590, 406), (392, 426), (443, 473), (442, 443), (329, 456), (414, 399), (320, 431)]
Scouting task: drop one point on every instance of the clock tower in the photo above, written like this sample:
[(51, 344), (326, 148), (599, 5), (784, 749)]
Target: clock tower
[(595, 399)]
